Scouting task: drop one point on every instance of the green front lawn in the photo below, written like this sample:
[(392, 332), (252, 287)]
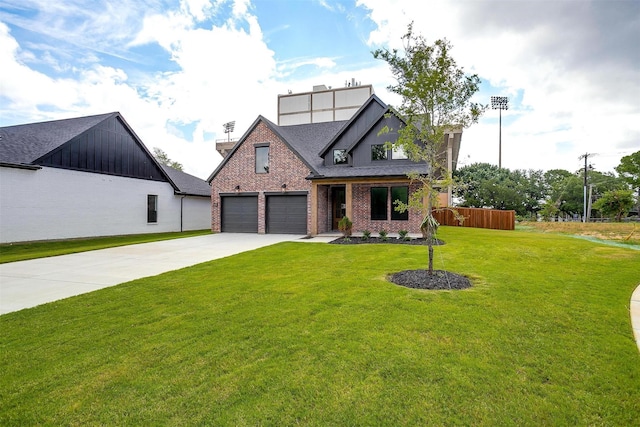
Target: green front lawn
[(313, 334), (11, 252)]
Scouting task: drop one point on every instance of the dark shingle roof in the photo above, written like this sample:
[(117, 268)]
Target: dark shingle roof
[(24, 144), (188, 184), (308, 140)]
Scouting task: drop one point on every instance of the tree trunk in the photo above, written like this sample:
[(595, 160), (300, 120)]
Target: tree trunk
[(430, 258), (430, 236)]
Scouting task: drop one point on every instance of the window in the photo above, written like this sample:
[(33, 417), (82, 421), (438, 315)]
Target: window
[(402, 194), (152, 208), (262, 159), (379, 203), (398, 153), (378, 152), (339, 157)]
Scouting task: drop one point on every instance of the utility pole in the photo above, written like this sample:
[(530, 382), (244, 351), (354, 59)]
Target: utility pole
[(585, 156)]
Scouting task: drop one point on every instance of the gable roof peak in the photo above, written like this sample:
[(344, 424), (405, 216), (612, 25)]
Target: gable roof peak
[(373, 99), (25, 143)]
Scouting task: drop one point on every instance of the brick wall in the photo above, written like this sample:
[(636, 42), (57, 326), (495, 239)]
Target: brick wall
[(361, 211), (284, 168), (324, 215)]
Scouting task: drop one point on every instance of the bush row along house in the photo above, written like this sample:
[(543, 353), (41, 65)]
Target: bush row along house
[(303, 178), (91, 176)]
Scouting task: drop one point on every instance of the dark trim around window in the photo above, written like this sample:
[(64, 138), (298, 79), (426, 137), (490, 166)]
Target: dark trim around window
[(402, 194), (340, 157), (152, 208), (262, 158), (378, 152), (379, 197)]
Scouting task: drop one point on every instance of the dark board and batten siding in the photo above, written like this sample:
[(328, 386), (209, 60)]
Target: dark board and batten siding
[(107, 148)]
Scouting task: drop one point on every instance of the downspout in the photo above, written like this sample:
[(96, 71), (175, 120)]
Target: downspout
[(181, 214)]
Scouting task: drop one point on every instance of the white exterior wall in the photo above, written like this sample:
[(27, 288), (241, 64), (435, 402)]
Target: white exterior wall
[(295, 103), (196, 213), (355, 96), (51, 203), (295, 119)]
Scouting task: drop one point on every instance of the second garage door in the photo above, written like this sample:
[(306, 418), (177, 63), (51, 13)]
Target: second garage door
[(287, 214), (240, 214)]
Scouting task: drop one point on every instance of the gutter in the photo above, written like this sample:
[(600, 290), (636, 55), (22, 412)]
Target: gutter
[(20, 166)]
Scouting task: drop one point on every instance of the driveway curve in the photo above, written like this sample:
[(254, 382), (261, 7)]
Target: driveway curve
[(26, 284)]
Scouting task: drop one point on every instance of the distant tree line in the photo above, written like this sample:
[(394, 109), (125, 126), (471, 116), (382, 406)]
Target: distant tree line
[(553, 194)]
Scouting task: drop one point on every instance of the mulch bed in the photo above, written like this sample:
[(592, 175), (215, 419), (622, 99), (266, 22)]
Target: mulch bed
[(416, 279), (420, 279)]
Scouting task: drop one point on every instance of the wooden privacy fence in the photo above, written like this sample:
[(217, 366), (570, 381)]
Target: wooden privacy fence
[(478, 218)]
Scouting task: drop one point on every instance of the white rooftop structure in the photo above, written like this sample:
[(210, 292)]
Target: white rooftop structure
[(323, 104)]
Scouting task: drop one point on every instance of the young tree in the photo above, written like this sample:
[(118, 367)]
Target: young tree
[(164, 159), (435, 99)]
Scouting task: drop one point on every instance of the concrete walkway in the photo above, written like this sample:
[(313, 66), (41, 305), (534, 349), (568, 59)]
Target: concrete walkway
[(634, 309), (25, 284)]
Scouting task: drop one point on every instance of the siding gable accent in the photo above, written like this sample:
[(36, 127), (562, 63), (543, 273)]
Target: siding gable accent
[(359, 125), (103, 143), (107, 148)]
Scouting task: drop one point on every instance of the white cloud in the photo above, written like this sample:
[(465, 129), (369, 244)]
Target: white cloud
[(575, 64), (222, 73), (576, 76)]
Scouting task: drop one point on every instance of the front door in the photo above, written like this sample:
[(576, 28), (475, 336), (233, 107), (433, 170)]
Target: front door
[(338, 205)]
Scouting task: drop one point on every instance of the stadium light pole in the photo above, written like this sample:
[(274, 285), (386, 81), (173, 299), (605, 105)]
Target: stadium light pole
[(500, 103), (228, 128)]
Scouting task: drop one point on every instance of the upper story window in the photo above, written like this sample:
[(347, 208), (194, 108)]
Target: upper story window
[(398, 153), (378, 152), (339, 157), (262, 159)]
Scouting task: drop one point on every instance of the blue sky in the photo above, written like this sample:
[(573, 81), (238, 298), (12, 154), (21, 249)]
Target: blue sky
[(177, 70)]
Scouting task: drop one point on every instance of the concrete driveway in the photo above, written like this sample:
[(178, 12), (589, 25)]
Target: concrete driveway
[(25, 284)]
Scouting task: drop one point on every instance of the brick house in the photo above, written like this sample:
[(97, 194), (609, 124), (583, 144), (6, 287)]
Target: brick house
[(304, 178)]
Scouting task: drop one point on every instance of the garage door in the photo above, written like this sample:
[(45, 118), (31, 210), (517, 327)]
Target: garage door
[(239, 214), (287, 214)]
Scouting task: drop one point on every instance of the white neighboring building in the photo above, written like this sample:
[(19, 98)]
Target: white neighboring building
[(323, 104), (91, 176)]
